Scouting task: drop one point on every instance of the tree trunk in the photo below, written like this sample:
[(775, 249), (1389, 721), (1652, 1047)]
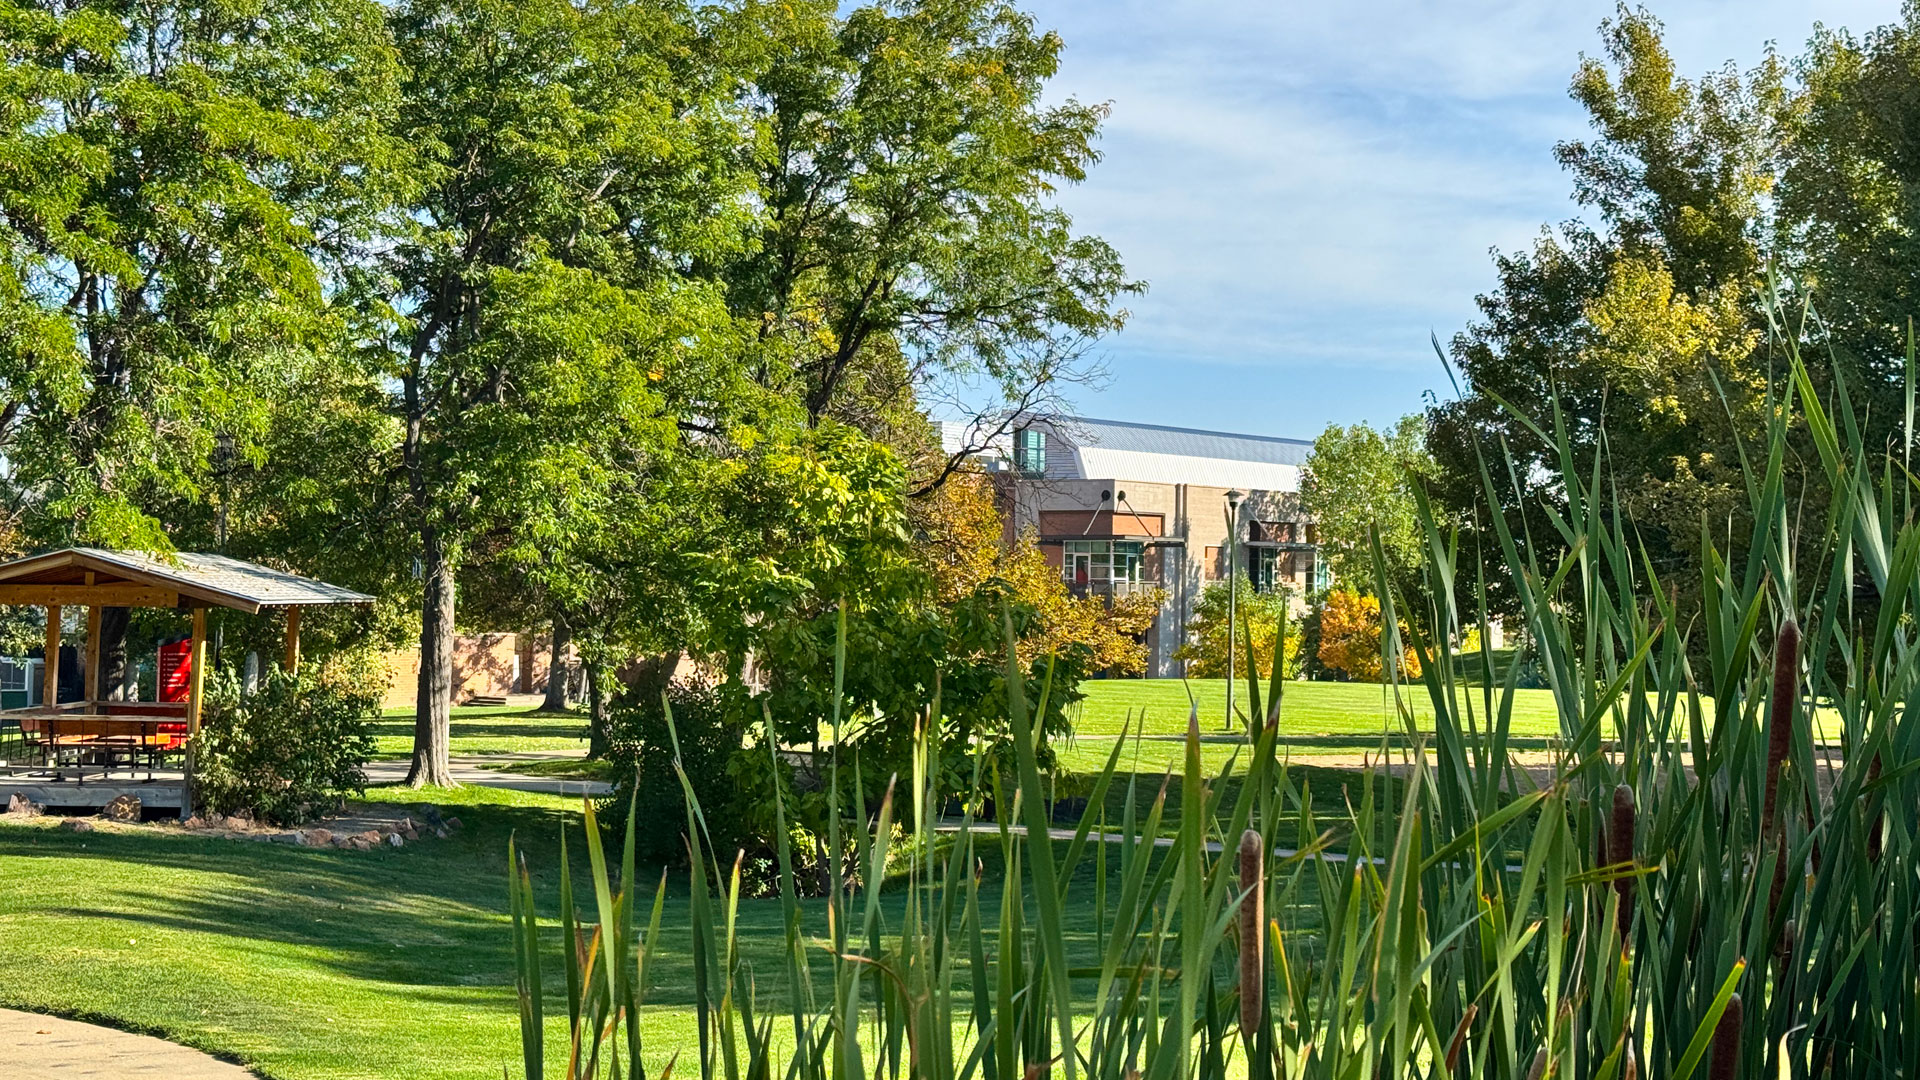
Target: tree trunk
[(110, 682), (557, 668), (596, 710), (433, 704)]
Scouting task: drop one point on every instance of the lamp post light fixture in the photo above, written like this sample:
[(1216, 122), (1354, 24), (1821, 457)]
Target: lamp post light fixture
[(1233, 590), (223, 472)]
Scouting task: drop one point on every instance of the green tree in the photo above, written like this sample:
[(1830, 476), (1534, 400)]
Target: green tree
[(910, 253), (1642, 326), (1260, 614), (574, 160), (183, 189), (1845, 204), (1360, 482)]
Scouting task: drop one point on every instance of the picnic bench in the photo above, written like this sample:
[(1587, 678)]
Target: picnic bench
[(105, 734)]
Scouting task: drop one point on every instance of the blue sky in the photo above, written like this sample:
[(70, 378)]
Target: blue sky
[(1312, 189)]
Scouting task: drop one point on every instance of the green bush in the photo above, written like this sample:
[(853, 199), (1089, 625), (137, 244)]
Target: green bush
[(294, 748), (640, 749)]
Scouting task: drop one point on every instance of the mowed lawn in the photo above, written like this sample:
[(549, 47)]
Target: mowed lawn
[(318, 963), (309, 963), (486, 730), (1309, 710)]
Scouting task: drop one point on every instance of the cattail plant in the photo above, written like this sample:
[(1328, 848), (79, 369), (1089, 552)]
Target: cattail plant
[(1726, 1043), (1253, 922), (1459, 1039), (1879, 820), (1620, 852), (1786, 669), (1441, 914)]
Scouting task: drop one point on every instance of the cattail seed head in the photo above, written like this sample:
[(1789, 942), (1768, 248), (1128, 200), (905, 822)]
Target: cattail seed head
[(1539, 1068), (1631, 1071), (1786, 678), (1726, 1043), (1253, 922), (1460, 1036), (1785, 951), (1620, 850)]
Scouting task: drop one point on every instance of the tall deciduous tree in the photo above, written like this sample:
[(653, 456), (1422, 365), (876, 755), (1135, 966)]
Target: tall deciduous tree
[(1642, 325), (911, 252), (1359, 483), (576, 158), (181, 188)]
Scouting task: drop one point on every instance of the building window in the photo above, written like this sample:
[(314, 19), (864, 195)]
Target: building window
[(1272, 569), (13, 674), (1093, 562), (1030, 451)]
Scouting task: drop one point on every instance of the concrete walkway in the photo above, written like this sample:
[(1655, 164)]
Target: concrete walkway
[(36, 1047), (473, 769)]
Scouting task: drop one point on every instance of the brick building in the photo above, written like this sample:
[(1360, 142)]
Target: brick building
[(1123, 507)]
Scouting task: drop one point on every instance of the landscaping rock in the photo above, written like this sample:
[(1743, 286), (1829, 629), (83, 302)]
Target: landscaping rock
[(396, 840), (77, 825), (371, 836), (238, 823), (453, 823), (442, 832), (359, 843), (122, 808), (319, 838), (294, 836)]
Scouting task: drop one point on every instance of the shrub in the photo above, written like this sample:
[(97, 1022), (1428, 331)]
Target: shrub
[(1350, 637), (1262, 614), (710, 722), (294, 748)]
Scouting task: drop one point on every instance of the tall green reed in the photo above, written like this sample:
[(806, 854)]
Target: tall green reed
[(1712, 874)]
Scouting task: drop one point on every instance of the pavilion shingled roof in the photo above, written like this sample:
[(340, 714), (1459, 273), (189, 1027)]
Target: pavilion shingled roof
[(195, 576)]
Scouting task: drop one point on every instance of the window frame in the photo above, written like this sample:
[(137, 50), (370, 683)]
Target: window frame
[(1030, 451), (1100, 557)]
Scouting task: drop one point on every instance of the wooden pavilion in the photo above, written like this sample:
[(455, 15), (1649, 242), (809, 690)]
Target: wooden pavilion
[(94, 578)]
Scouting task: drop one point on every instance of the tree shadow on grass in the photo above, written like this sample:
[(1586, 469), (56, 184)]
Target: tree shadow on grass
[(429, 922)]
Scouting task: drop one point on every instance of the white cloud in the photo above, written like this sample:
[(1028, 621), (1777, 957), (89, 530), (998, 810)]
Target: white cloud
[(1311, 189)]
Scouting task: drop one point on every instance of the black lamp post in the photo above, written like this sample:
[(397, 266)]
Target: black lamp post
[(222, 472), (1233, 590)]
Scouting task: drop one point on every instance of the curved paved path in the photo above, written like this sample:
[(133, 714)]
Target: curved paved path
[(36, 1047), (482, 771)]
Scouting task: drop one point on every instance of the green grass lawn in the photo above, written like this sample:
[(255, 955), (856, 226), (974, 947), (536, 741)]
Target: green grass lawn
[(319, 963), (322, 963), (1344, 716), (1308, 709), (487, 730)]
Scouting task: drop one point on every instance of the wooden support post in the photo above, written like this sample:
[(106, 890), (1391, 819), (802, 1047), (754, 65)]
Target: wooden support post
[(196, 684), (91, 687), (50, 670), (292, 662), (197, 674)]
